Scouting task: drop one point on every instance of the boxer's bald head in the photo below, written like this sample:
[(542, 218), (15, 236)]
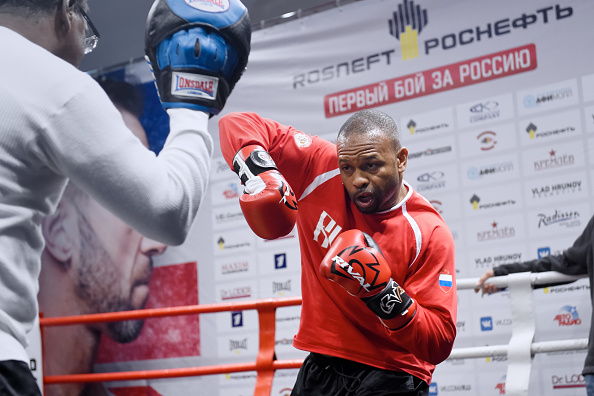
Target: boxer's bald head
[(370, 122)]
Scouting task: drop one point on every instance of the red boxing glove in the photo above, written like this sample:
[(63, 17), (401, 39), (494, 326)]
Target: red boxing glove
[(356, 263), (268, 203)]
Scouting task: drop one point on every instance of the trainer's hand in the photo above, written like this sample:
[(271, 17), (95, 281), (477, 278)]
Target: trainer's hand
[(486, 288), (268, 203), (355, 262), (197, 51)]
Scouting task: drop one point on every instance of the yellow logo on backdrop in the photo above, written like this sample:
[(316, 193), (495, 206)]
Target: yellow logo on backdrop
[(531, 129), (474, 200), (406, 24), (408, 43), (411, 126)]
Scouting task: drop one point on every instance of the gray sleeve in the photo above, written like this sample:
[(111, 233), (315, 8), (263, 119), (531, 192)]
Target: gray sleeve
[(88, 142), (573, 260)]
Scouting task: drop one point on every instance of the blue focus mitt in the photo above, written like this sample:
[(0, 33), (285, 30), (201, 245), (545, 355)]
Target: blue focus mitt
[(198, 50)]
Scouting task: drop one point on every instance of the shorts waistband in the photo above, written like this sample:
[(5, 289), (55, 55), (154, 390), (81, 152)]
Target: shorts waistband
[(327, 360)]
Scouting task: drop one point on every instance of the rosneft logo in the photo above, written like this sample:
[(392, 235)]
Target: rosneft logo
[(474, 200), (411, 126), (531, 130), (406, 24)]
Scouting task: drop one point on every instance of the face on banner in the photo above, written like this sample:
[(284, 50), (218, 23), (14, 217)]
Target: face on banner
[(115, 267), (93, 263)]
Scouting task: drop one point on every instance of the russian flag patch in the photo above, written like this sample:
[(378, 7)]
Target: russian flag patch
[(446, 281)]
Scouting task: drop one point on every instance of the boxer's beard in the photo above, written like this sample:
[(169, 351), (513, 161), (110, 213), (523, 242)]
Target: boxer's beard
[(383, 199), (98, 282)]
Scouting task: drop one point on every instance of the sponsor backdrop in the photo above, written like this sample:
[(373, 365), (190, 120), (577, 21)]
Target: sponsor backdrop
[(495, 103)]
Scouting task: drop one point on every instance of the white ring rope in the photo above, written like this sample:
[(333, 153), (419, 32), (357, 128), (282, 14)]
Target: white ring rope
[(521, 347)]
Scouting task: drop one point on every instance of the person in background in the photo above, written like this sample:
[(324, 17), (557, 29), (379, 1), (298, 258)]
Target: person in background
[(575, 260)]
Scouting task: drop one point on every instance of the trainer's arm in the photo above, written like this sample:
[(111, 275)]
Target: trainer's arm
[(573, 261), (158, 196)]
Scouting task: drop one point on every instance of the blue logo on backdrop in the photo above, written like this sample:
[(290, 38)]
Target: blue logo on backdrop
[(486, 323), (433, 389), (280, 261), (237, 319), (543, 252)]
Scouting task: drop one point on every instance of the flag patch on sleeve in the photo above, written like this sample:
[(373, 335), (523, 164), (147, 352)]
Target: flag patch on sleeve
[(446, 281)]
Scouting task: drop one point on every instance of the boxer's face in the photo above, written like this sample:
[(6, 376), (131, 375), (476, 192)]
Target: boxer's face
[(371, 170)]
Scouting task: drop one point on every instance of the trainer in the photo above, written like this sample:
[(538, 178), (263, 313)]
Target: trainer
[(57, 123), (379, 301), (578, 259)]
